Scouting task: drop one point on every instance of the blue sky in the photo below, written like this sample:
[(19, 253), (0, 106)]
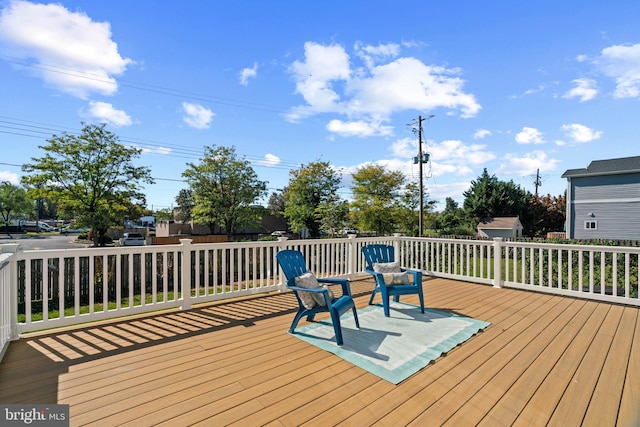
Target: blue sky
[(513, 86)]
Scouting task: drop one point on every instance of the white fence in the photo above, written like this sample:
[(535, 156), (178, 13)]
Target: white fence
[(52, 288)]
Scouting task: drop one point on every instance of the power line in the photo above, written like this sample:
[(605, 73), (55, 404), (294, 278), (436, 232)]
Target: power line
[(143, 86)]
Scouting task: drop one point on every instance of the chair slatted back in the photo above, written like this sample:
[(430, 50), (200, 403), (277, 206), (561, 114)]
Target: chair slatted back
[(293, 265), (378, 253)]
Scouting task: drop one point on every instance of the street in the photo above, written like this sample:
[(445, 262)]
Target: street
[(44, 241)]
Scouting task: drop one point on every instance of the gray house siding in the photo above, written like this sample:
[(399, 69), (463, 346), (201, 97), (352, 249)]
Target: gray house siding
[(604, 207)]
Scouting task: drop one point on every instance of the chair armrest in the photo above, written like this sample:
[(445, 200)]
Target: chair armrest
[(344, 283), (417, 275), (322, 291)]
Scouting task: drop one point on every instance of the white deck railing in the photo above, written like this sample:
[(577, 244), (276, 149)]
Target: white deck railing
[(52, 288), (8, 301)]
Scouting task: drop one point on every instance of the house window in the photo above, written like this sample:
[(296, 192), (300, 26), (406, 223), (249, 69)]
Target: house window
[(591, 225)]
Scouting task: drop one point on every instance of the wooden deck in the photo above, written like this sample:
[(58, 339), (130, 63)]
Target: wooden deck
[(545, 360)]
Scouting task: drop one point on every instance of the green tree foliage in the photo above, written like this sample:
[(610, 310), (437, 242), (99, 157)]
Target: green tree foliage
[(332, 214), (407, 210), (90, 176), (185, 202), (376, 193), (489, 197), (225, 187), (14, 202), (451, 219), (311, 186), (277, 203), (164, 214)]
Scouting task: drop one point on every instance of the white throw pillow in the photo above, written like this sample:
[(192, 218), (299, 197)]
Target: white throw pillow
[(386, 267), (307, 280), (392, 273), (311, 299), (392, 279)]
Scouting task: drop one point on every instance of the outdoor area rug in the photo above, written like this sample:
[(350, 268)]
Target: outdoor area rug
[(394, 347)]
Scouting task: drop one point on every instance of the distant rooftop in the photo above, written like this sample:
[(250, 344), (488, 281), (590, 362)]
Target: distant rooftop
[(499, 223), (607, 167)]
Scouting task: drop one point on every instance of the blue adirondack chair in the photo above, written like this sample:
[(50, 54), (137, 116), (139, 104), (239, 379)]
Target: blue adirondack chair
[(293, 265), (385, 254)]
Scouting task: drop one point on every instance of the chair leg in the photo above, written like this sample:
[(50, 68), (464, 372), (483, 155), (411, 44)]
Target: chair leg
[(296, 319), (373, 294), (337, 328), (355, 317), (421, 302), (385, 305)]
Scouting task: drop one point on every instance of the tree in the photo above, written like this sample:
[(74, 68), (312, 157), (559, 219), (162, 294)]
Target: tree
[(548, 213), (277, 203), (332, 214), (451, 219), (90, 175), (376, 192), (185, 203), (408, 209), (309, 187), (489, 197), (225, 187), (13, 202)]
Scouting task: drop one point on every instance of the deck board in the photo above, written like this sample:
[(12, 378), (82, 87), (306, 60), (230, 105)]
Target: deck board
[(544, 360)]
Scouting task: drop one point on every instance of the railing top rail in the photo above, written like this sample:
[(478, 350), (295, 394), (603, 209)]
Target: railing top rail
[(575, 247)]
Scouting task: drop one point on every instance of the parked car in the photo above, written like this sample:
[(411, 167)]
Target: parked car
[(132, 239), (279, 233)]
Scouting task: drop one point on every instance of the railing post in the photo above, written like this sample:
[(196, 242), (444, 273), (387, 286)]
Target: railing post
[(352, 262), (185, 274), (12, 248), (396, 247), (282, 244), (497, 262)]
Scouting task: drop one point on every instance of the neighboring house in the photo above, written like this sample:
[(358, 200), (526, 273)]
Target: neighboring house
[(507, 227), (603, 200)]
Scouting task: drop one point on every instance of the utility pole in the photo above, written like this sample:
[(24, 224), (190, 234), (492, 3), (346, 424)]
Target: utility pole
[(538, 181), (420, 159)]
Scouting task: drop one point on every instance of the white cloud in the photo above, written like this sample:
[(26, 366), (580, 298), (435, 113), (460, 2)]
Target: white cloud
[(581, 133), (409, 84), (358, 128), (248, 73), (155, 150), (405, 147), (586, 90), (457, 155), (197, 116), (105, 113), (70, 51), (373, 54), (315, 76), (481, 133), (529, 136), (6, 176), (622, 63), (269, 160), (528, 164), (371, 93)]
